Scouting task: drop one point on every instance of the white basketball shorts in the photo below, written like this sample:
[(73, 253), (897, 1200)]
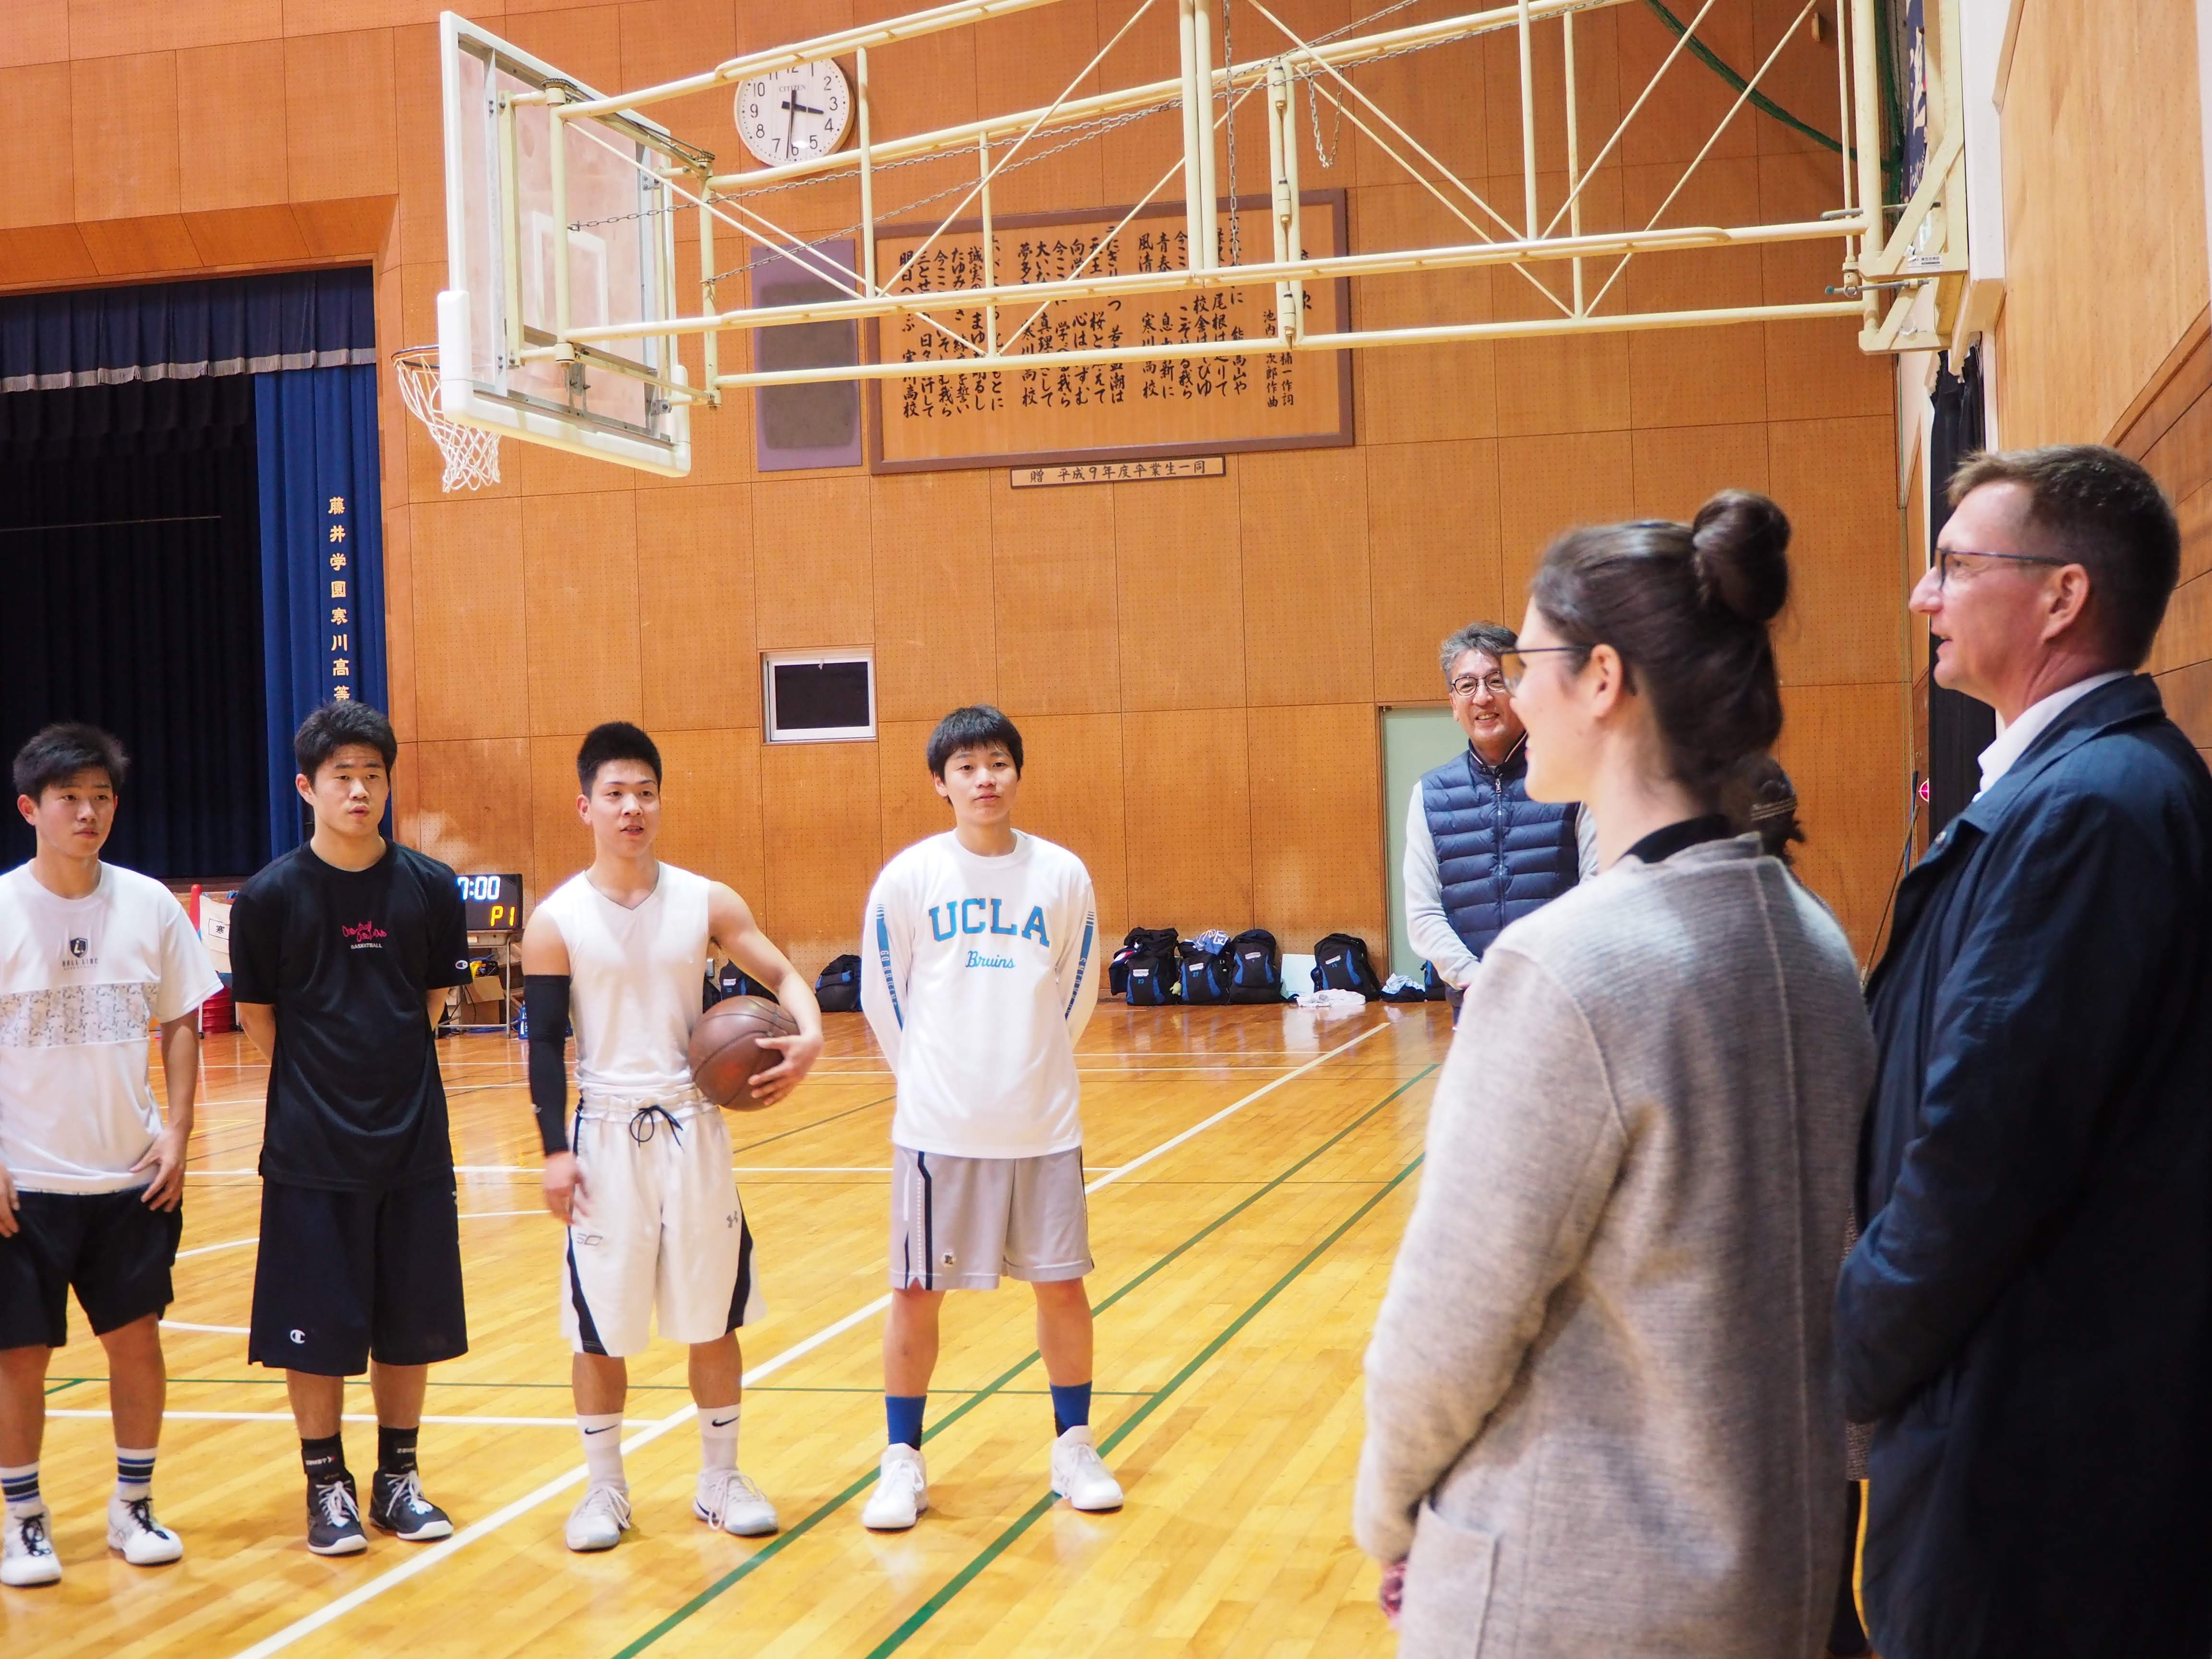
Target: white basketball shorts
[(660, 1228)]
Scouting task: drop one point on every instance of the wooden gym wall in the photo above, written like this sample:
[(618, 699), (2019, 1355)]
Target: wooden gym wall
[(2103, 332), (1198, 665)]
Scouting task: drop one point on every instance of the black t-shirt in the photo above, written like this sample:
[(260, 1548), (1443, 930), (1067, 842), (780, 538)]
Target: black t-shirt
[(347, 957)]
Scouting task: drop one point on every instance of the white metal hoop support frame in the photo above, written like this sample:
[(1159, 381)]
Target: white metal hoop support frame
[(471, 453)]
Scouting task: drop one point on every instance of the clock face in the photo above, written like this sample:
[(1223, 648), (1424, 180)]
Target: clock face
[(795, 113)]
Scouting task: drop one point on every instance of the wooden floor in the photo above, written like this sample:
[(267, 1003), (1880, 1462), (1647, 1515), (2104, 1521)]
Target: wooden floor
[(1254, 1166)]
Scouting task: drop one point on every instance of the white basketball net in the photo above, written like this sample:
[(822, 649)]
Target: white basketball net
[(471, 453)]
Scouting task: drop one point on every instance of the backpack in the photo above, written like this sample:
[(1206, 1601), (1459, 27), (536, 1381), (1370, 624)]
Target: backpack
[(1255, 967), (838, 990), (1433, 983), (733, 981), (1152, 979), (1204, 972), (1137, 941), (1340, 963)]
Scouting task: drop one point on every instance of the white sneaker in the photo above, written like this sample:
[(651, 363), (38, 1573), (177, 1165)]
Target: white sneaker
[(598, 1522), (144, 1542), (1079, 1476), (26, 1557), (729, 1500), (902, 1491)]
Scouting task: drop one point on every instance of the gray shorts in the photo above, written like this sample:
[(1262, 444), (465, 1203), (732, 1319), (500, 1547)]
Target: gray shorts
[(958, 1223)]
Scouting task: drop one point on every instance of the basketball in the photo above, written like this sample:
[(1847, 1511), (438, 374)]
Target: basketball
[(725, 1054)]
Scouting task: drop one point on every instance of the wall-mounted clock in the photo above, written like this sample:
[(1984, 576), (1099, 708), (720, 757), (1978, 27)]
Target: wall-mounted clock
[(795, 114)]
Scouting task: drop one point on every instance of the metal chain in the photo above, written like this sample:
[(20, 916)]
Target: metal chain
[(1229, 105)]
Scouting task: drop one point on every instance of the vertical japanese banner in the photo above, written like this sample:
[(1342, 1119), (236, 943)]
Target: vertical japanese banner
[(322, 560)]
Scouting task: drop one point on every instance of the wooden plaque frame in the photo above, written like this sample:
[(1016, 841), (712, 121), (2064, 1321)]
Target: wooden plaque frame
[(1341, 437)]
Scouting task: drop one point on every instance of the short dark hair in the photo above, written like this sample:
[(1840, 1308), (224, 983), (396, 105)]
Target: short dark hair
[(2105, 513), (58, 752), (334, 726), (1758, 797), (1488, 637), (1688, 608), (613, 740), (976, 726)]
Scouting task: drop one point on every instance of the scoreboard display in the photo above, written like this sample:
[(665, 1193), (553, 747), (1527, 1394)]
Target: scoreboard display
[(494, 903)]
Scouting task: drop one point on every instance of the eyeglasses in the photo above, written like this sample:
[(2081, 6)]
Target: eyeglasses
[(1945, 556), (1468, 684), (1513, 664)]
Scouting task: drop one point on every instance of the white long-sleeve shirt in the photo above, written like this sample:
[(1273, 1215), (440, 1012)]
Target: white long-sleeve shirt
[(1427, 928), (978, 976)]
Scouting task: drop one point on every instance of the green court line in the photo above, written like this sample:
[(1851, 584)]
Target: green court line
[(817, 1123), (53, 1388), (998, 1546), (746, 1567)]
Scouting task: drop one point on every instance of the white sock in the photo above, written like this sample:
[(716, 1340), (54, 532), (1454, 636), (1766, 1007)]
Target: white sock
[(134, 1472), (602, 1436), (718, 1438), (21, 1484)]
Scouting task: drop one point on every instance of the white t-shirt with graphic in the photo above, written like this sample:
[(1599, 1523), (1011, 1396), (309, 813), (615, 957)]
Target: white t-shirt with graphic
[(978, 975), (80, 982)]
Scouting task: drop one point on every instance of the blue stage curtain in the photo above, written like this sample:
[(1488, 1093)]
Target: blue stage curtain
[(322, 560), (186, 331)]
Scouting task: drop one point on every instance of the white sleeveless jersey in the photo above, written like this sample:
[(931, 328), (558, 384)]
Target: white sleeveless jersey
[(635, 981)]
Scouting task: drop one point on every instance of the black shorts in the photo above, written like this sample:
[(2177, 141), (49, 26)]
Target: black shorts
[(110, 1247), (346, 1275)]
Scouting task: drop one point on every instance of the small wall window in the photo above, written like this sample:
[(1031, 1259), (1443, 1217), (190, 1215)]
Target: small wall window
[(818, 696)]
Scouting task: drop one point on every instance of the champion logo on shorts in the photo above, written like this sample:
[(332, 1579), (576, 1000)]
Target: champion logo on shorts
[(299, 1338)]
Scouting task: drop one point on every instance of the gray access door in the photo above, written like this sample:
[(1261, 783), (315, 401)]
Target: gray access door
[(1414, 741)]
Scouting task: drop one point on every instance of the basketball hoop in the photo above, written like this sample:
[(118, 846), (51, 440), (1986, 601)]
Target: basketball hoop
[(471, 453)]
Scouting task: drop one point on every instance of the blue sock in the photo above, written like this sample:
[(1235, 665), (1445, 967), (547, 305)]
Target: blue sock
[(1070, 1405), (902, 1412), (20, 1485)]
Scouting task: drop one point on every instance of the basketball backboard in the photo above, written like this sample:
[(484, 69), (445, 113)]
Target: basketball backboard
[(538, 244)]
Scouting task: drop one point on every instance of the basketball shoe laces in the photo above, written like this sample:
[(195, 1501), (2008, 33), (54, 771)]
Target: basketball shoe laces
[(338, 1503), (141, 1511), (33, 1528), (641, 1125)]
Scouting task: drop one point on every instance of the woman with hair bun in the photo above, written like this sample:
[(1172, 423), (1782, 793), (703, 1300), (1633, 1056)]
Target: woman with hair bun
[(1599, 1413)]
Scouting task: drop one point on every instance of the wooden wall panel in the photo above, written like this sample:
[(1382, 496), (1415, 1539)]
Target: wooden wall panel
[(580, 610), (812, 563), (819, 821), (102, 28), (1677, 468), (1182, 594), (1052, 597), (1316, 823), (37, 164), (1550, 484), (37, 33), (1840, 745), (912, 809), (1432, 514), (1307, 619), (474, 805), (231, 153), (698, 666), (399, 624), (123, 117), (710, 805), (936, 628), (1073, 792), (559, 845), (2099, 281), (1845, 624), (1186, 784), (471, 657), (340, 146)]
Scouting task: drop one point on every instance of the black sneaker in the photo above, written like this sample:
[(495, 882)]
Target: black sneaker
[(396, 1504), (334, 1518)]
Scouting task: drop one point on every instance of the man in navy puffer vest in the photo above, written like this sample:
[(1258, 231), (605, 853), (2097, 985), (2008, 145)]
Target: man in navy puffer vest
[(1479, 853)]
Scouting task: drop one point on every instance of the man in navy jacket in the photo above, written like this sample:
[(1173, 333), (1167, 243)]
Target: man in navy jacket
[(2026, 1319)]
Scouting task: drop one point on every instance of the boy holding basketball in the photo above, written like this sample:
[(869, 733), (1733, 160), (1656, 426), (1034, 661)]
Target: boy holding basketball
[(640, 1178), (982, 979)]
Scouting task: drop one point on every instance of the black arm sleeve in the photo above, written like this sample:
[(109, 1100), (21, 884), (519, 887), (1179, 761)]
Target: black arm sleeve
[(546, 1001)]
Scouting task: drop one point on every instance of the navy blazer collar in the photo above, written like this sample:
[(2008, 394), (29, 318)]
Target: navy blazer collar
[(2108, 708)]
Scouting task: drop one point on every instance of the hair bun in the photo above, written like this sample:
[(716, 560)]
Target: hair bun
[(1739, 544)]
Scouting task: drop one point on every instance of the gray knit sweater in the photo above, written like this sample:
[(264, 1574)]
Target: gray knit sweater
[(1599, 1413)]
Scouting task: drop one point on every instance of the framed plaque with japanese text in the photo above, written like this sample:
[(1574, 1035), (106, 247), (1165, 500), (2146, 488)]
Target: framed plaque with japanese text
[(1149, 409)]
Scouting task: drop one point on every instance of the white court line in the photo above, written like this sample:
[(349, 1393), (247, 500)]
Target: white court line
[(220, 1330), (349, 1417), (332, 1611)]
